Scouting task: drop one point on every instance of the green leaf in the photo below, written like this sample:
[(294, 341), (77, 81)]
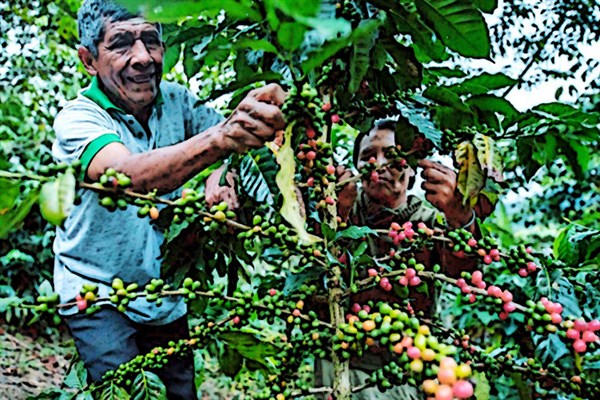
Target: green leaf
[(482, 386), (489, 107), (549, 349), (156, 10), (355, 232), (290, 35), (471, 178), (490, 159), (563, 112), (328, 28), (294, 8), (419, 118), (12, 218), (77, 378), (361, 50), (482, 84), (294, 281), (487, 6), (114, 392), (258, 171), (171, 57), (445, 96), (251, 344), (255, 44), (230, 361), (422, 36), (148, 386), (408, 71), (458, 24), (57, 198), (9, 192)]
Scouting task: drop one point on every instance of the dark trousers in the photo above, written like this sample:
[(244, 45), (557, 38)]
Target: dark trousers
[(107, 338)]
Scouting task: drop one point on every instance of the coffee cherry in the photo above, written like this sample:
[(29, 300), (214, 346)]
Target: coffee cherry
[(326, 107), (335, 118), (154, 213), (463, 389)]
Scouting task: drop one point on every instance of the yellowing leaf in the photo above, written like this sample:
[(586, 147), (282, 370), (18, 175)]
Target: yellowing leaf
[(471, 178), (57, 197), (290, 210), (489, 158)]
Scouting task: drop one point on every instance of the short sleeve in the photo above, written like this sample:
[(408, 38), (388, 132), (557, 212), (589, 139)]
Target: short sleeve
[(78, 125), (198, 117)]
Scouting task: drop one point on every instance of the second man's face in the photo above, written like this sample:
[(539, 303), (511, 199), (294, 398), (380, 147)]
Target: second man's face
[(391, 186), (129, 63)]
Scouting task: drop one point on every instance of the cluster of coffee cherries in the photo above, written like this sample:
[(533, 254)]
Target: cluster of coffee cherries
[(521, 259), (86, 298), (419, 356), (315, 158), (395, 159), (121, 294), (115, 180), (269, 233), (464, 243), (582, 333)]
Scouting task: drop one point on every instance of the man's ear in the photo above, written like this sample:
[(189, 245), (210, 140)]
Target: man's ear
[(87, 59)]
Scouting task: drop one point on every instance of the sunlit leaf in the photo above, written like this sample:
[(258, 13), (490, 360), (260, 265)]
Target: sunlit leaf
[(488, 154), (12, 218), (471, 178), (458, 24), (290, 210)]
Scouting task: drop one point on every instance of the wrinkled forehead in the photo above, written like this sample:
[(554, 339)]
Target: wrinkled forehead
[(378, 138), (134, 25)]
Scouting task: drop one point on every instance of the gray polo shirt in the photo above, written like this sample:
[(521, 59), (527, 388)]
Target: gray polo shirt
[(96, 245)]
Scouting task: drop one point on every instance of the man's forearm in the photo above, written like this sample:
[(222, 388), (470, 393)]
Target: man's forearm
[(169, 167)]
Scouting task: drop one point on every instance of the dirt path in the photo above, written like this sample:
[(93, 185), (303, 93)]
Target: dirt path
[(30, 365)]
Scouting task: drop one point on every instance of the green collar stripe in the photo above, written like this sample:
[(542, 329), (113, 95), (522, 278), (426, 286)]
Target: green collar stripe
[(93, 148), (94, 93)]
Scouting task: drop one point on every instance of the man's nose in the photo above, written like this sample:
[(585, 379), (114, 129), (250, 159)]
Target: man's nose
[(140, 54)]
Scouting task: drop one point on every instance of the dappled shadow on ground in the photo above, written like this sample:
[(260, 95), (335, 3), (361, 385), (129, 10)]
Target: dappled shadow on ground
[(30, 363)]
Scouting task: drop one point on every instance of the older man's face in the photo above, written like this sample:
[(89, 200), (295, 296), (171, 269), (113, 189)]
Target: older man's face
[(129, 63)]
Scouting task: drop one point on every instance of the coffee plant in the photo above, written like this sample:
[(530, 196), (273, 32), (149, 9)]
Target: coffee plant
[(286, 280)]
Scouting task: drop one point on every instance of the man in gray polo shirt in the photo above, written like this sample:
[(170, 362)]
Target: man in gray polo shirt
[(153, 132)]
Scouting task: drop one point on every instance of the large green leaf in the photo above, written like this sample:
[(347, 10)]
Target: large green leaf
[(446, 97), (361, 50), (114, 392), (290, 35), (77, 378), (458, 24), (12, 218), (490, 159), (230, 361), (57, 198), (408, 22), (408, 70), (482, 84), (482, 386), (489, 108), (155, 10), (9, 191), (148, 386), (419, 118), (563, 112), (471, 178), (487, 6), (258, 170), (251, 344), (549, 349)]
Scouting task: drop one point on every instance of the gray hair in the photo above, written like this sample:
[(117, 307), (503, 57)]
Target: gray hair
[(92, 16)]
